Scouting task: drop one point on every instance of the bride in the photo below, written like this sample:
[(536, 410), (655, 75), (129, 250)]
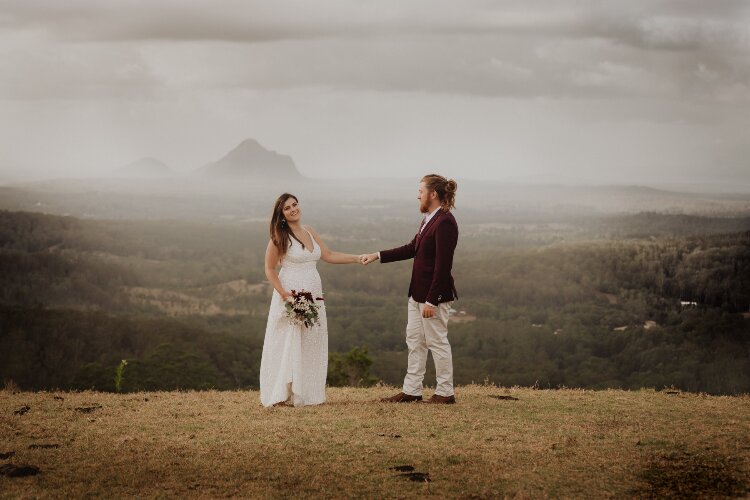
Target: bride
[(294, 364)]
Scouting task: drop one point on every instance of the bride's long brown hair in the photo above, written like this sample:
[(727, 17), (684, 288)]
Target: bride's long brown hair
[(281, 235)]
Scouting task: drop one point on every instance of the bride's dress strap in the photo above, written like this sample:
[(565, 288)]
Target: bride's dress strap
[(311, 237)]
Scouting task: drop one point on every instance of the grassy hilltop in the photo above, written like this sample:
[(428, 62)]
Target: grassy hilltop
[(544, 443)]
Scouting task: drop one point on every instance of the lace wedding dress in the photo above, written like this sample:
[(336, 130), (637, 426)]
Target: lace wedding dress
[(294, 364)]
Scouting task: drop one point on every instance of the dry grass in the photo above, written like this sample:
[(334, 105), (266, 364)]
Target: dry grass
[(548, 443)]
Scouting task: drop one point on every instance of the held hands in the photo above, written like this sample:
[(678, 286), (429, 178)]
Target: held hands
[(365, 259)]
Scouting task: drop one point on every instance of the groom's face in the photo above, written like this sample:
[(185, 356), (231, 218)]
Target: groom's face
[(425, 198)]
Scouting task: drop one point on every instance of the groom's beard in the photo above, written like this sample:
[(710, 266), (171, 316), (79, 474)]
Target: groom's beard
[(424, 208)]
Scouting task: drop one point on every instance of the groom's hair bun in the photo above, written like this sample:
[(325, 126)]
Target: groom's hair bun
[(445, 189)]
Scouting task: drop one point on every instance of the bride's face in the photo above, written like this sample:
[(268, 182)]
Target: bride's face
[(292, 212)]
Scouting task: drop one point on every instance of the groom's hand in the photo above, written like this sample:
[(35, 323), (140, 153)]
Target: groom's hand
[(428, 311), (367, 258)]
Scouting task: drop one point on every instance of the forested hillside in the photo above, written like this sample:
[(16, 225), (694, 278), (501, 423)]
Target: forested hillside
[(630, 301)]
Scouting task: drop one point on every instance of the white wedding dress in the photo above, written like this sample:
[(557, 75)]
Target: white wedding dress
[(294, 364)]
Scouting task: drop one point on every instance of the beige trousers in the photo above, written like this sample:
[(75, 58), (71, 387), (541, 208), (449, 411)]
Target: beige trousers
[(423, 334)]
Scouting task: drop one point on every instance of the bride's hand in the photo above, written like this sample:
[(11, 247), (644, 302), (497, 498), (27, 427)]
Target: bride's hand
[(367, 258), (285, 295)]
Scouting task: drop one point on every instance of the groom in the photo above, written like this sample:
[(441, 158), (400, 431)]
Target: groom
[(430, 292)]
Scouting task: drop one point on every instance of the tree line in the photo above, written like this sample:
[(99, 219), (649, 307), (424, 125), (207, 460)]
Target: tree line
[(570, 313)]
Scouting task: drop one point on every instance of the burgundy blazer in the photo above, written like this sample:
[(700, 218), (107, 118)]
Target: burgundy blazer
[(432, 251)]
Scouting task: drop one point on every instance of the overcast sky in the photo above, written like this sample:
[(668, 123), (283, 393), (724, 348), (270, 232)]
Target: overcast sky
[(637, 91)]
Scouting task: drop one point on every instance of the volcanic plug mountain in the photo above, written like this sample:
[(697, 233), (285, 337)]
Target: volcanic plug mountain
[(251, 160)]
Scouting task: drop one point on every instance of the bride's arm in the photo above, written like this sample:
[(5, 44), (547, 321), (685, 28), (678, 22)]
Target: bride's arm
[(272, 259), (328, 255)]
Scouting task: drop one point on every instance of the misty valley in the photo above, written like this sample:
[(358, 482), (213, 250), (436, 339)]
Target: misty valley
[(595, 287)]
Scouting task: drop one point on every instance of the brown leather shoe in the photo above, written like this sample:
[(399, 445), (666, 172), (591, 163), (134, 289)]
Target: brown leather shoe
[(435, 399), (401, 398)]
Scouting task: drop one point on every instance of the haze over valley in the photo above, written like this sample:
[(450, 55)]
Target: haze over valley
[(601, 154)]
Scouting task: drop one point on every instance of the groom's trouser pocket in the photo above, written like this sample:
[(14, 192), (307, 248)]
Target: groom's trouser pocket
[(421, 334)]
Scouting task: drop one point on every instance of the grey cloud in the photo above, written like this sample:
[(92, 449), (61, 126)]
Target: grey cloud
[(228, 20), (580, 49), (668, 24), (253, 22), (488, 66), (79, 72)]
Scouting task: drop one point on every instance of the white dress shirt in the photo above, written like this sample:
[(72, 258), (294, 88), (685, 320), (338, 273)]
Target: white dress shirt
[(427, 219)]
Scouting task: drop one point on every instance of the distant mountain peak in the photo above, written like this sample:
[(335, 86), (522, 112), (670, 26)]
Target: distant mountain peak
[(248, 147), (250, 159), (249, 144)]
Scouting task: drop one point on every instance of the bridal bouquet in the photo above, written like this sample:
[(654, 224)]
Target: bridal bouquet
[(301, 308)]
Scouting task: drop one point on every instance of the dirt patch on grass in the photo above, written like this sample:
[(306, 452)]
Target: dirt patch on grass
[(408, 472), (22, 410), (43, 446), (88, 409), (13, 470), (691, 475), (502, 397), (417, 476)]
